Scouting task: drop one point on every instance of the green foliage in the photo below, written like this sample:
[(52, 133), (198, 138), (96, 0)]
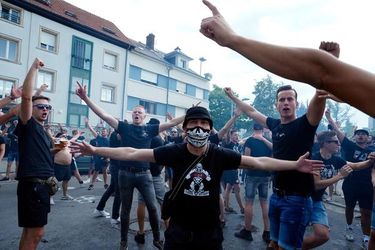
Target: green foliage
[(265, 97), (220, 107)]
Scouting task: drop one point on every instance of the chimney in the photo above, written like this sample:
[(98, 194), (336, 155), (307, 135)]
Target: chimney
[(150, 41)]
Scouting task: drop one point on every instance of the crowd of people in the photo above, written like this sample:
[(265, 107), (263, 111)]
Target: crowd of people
[(202, 166)]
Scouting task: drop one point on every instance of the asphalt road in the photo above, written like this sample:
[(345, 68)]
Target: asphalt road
[(72, 226)]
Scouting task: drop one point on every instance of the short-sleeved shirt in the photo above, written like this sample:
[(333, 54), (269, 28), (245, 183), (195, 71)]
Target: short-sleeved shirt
[(331, 165), (354, 153), (258, 149), (290, 141), (35, 158), (198, 198), (136, 136), (156, 169), (100, 141), (114, 142), (13, 142)]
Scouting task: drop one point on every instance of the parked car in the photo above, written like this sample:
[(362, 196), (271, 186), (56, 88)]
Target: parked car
[(84, 163)]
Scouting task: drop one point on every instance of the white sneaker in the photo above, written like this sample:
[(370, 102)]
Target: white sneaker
[(86, 181), (51, 201), (67, 198), (98, 213), (98, 179), (115, 222), (349, 234)]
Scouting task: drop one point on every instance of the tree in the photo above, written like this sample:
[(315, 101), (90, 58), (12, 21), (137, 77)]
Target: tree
[(265, 96), (220, 107)]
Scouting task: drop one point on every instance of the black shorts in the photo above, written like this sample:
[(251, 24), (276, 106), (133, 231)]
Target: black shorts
[(33, 204), (230, 177), (62, 172), (361, 192)]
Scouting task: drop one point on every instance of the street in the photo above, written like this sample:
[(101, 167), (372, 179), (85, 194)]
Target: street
[(72, 226)]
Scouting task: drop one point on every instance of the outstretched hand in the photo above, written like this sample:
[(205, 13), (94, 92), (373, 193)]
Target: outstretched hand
[(83, 148), (305, 165), (228, 91), (215, 27), (345, 171)]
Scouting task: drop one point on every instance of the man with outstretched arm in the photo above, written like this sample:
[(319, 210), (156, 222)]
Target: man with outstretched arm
[(133, 174), (199, 166), (313, 67)]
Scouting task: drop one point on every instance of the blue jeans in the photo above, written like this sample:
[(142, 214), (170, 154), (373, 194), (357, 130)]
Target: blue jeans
[(254, 183), (113, 188), (289, 216), (142, 181)]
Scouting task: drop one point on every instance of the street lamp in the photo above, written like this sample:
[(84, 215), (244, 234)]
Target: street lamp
[(202, 59)]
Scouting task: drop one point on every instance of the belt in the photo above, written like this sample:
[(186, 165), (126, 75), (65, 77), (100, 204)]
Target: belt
[(36, 180), (135, 169), (282, 193)]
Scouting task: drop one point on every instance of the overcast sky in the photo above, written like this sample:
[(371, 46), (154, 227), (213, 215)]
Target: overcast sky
[(288, 22)]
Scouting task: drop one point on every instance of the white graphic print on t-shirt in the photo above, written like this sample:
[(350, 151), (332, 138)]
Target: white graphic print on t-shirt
[(198, 175)]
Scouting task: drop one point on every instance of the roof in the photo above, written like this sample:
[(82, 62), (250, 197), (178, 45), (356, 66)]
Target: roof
[(70, 15)]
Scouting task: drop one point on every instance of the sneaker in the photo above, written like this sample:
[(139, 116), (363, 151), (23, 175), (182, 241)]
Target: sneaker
[(244, 234), (67, 198), (51, 201), (266, 236), (90, 187), (230, 210), (86, 181), (364, 244), (242, 210), (98, 213), (139, 238), (105, 186), (123, 245), (98, 179), (114, 221), (349, 234), (158, 244)]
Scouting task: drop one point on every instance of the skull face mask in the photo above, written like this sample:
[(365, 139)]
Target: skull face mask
[(197, 136)]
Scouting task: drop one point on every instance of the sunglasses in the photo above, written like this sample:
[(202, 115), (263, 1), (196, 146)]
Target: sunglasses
[(333, 141), (43, 106)]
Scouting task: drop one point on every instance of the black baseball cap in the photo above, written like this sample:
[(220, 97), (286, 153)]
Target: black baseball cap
[(153, 121), (362, 130), (197, 112)]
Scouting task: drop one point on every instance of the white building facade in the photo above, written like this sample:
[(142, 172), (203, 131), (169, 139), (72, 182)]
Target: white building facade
[(78, 46)]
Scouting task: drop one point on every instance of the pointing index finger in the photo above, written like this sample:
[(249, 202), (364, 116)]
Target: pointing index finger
[(211, 7)]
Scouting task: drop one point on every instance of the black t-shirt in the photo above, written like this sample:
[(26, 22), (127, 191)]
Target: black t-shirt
[(258, 149), (214, 139), (13, 142), (156, 169), (198, 199), (100, 141), (35, 158), (2, 140), (136, 137), (331, 166), (290, 141), (114, 142), (354, 153)]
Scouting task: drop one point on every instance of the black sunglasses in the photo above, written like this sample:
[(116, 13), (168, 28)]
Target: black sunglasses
[(43, 106), (333, 141)]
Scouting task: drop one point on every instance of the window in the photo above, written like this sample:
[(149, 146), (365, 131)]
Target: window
[(46, 77), (149, 77), (150, 107), (110, 61), (183, 64), (5, 87), (81, 54), (199, 93), (107, 94), (10, 14), (48, 40), (8, 49), (73, 97), (181, 87)]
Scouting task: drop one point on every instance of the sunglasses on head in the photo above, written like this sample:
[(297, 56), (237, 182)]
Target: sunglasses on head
[(43, 106)]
